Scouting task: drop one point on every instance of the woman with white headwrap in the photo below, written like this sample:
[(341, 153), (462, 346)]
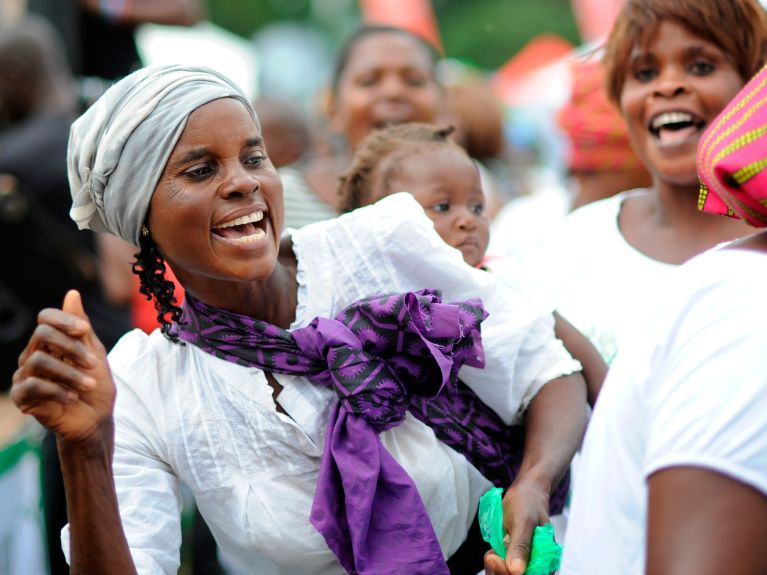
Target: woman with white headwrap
[(310, 445)]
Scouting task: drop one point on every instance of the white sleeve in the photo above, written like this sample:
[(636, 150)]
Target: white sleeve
[(147, 489), (521, 351), (708, 393), (148, 492)]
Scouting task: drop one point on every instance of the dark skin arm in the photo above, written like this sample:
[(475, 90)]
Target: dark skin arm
[(555, 422), (581, 348), (64, 381), (706, 523)]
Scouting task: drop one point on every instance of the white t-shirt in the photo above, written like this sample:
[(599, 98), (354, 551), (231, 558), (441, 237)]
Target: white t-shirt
[(186, 416), (598, 281), (523, 223), (692, 390)]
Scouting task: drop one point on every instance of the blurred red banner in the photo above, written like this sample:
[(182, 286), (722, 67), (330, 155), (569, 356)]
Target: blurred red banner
[(414, 15)]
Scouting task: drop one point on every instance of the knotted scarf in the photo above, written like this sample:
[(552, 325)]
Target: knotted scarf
[(382, 356), (732, 157)]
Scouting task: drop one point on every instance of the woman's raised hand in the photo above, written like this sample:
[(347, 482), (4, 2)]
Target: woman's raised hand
[(63, 378)]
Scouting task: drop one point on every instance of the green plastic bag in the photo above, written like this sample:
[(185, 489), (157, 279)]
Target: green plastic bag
[(491, 519), (545, 552)]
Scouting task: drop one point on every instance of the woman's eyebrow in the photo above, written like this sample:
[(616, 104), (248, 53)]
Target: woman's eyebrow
[(199, 153), (695, 51), (639, 56), (192, 156)]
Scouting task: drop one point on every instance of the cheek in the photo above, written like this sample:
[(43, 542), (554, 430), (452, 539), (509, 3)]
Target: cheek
[(352, 103), (729, 90), (174, 214), (628, 104), (444, 228), (430, 103), (484, 231)]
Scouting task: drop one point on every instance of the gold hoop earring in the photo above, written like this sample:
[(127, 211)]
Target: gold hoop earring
[(144, 231)]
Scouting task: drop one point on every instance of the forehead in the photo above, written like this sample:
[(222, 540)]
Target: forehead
[(669, 35), (388, 49), (225, 119), (427, 163)]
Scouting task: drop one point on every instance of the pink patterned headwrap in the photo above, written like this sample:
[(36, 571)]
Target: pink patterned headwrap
[(732, 157), (597, 133)]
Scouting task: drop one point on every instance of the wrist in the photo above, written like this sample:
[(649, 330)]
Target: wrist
[(97, 444), (537, 478)]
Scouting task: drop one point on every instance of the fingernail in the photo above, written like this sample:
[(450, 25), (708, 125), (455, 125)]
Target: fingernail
[(89, 382), (71, 396), (518, 566), (91, 359)]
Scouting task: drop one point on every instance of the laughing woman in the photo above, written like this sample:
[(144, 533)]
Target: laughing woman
[(321, 429), (684, 411), (671, 67)]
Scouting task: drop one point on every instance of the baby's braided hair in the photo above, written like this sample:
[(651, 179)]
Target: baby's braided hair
[(385, 144)]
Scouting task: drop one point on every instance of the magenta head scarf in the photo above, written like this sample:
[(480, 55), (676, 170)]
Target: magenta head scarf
[(732, 157)]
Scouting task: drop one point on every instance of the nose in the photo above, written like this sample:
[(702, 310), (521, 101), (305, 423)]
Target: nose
[(239, 182), (670, 82), (466, 220), (392, 86)]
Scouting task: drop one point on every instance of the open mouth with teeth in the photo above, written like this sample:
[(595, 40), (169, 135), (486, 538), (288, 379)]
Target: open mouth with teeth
[(380, 124), (249, 228), (672, 127)]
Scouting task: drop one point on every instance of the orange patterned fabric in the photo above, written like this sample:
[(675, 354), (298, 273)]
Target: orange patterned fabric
[(597, 133), (732, 157)]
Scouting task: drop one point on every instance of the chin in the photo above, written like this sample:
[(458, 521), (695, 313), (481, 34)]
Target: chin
[(472, 259), (682, 173)]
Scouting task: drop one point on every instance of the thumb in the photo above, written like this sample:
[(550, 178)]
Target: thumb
[(73, 304), (518, 552)]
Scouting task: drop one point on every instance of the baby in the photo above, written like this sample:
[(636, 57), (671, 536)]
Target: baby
[(422, 160)]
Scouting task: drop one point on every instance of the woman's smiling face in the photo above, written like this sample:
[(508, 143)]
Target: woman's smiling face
[(675, 86), (217, 211)]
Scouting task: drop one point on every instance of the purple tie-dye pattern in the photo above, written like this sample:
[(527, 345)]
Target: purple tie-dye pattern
[(383, 356)]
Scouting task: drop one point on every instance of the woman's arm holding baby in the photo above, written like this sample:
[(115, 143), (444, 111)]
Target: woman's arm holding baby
[(581, 348), (64, 381), (555, 422)]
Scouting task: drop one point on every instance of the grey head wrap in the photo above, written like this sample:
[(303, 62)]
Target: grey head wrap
[(119, 147)]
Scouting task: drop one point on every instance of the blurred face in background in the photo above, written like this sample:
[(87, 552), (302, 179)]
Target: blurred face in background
[(388, 79)]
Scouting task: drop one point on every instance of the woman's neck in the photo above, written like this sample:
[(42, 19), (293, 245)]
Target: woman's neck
[(272, 299), (666, 224)]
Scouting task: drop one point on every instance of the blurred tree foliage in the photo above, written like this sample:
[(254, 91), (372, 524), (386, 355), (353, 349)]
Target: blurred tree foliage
[(483, 32), (489, 32)]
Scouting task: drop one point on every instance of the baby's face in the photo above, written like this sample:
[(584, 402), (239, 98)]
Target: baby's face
[(445, 181)]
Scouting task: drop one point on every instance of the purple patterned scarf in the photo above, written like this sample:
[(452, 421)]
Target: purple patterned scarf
[(382, 356)]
